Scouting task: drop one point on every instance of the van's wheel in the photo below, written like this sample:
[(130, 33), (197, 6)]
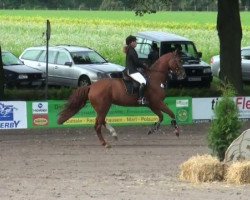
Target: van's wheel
[(83, 81)]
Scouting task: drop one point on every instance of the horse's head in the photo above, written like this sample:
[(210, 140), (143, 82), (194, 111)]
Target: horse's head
[(175, 66)]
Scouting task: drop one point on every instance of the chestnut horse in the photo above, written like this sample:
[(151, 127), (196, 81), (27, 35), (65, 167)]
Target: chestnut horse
[(103, 93)]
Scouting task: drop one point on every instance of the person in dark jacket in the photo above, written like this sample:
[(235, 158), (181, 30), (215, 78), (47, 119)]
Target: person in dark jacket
[(153, 54), (132, 64)]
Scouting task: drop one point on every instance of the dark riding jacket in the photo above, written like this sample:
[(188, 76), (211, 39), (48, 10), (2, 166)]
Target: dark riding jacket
[(153, 56), (132, 61)]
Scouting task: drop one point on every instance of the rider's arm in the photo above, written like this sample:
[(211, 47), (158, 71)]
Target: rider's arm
[(136, 61)]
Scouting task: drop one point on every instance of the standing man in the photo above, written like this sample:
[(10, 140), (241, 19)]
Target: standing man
[(153, 54)]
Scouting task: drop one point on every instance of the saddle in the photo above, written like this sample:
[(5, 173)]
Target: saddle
[(131, 86)]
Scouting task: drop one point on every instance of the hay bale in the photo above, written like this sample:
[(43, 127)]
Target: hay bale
[(238, 173), (204, 168)]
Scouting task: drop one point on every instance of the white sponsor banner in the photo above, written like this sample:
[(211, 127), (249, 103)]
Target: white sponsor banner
[(13, 115), (40, 108), (203, 108)]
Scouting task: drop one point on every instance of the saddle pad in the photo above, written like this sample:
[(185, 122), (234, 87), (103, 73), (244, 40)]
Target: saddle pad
[(131, 87)]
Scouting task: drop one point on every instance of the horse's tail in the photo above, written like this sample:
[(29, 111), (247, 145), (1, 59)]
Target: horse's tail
[(76, 101)]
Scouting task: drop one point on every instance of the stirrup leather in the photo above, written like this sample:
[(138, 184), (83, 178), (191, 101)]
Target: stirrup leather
[(142, 101)]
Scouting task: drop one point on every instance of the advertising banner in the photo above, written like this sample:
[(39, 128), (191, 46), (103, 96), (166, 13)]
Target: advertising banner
[(45, 114), (203, 108), (13, 115)]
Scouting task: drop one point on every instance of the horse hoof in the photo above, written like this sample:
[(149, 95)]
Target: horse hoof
[(177, 133), (115, 137), (150, 132), (108, 146)]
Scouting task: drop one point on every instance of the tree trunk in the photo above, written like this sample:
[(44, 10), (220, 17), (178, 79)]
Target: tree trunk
[(230, 35), (1, 77)]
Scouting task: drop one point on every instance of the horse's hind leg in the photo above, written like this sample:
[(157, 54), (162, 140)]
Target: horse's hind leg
[(100, 121), (111, 130), (157, 124), (98, 129), (101, 111)]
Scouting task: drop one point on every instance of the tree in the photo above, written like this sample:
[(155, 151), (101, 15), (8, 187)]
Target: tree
[(111, 5), (224, 128), (1, 77), (230, 35)]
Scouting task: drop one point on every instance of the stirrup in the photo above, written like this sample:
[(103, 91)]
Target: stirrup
[(142, 101)]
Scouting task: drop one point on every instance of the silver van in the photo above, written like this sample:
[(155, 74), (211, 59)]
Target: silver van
[(198, 72), (72, 66)]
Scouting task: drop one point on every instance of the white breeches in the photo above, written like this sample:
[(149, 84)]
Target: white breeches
[(138, 77)]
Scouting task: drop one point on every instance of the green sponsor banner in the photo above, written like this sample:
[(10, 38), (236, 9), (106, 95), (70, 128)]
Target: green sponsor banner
[(45, 113)]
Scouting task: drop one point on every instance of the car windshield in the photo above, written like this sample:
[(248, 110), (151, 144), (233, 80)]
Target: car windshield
[(9, 59), (187, 49), (87, 57)]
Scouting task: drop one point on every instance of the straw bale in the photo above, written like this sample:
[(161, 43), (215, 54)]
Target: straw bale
[(202, 168), (238, 173)]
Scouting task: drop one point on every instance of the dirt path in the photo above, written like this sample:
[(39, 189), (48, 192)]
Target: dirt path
[(70, 164)]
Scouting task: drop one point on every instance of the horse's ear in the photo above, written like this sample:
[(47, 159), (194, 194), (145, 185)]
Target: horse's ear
[(176, 52)]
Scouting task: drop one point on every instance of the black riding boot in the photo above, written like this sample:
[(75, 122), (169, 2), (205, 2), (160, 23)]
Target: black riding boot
[(142, 99)]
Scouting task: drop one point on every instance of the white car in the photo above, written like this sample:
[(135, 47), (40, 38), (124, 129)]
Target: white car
[(245, 64), (72, 66)]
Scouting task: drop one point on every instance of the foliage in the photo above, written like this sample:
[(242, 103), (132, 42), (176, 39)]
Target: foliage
[(142, 5), (226, 125), (25, 94), (111, 5)]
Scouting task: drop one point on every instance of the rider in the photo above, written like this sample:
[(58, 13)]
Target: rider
[(132, 63)]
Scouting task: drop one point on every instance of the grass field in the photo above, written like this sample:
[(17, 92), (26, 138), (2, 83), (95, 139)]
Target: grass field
[(176, 17), (105, 31)]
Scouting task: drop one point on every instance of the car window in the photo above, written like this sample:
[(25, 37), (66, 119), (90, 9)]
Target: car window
[(245, 54), (139, 40), (87, 57), (187, 48), (144, 48), (31, 54), (52, 56), (42, 57), (62, 58), (9, 59)]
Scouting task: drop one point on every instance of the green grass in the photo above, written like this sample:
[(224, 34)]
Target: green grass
[(175, 17)]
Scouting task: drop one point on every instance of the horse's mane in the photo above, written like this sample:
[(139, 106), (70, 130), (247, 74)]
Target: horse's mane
[(160, 60)]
